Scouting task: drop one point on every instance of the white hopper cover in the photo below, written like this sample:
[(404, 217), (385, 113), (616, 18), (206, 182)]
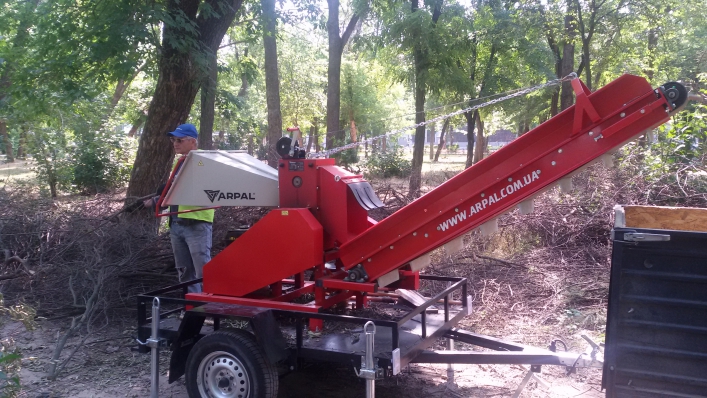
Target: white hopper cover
[(224, 178)]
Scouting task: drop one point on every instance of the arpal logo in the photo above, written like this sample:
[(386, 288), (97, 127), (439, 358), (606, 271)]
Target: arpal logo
[(211, 194)]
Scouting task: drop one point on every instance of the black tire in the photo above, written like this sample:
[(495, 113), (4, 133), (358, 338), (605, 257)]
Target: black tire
[(230, 364)]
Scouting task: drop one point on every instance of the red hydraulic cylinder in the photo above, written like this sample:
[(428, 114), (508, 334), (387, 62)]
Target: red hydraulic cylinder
[(600, 122)]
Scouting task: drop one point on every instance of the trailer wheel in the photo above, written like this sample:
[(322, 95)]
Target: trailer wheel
[(230, 364)]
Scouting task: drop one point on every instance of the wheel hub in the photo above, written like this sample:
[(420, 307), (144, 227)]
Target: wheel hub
[(222, 375)]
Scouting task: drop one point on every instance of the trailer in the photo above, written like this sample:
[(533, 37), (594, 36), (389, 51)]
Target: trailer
[(283, 279)]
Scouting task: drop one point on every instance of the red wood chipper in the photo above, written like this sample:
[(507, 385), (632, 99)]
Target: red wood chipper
[(318, 249)]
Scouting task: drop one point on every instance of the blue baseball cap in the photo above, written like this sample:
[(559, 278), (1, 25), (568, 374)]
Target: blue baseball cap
[(185, 130)]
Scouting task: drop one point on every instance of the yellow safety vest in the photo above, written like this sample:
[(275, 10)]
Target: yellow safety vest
[(204, 215)]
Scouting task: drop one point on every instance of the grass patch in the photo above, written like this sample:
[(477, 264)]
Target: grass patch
[(17, 170)]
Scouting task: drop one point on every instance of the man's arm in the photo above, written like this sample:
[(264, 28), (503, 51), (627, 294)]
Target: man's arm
[(150, 202)]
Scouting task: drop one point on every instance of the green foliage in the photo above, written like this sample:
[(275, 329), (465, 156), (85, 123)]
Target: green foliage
[(79, 48), (682, 141), (10, 358), (19, 312), (65, 59), (347, 158), (391, 163), (303, 81), (9, 381), (86, 162), (53, 166), (102, 162)]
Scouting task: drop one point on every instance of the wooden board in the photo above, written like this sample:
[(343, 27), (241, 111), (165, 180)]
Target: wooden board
[(663, 217), (416, 299)]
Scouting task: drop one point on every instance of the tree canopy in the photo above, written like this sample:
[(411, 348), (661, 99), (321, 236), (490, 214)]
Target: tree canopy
[(90, 88)]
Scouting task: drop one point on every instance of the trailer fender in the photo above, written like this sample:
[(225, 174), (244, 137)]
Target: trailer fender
[(187, 336), (269, 336), (263, 324)]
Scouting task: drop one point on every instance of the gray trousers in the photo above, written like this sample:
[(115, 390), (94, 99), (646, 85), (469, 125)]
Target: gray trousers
[(191, 245)]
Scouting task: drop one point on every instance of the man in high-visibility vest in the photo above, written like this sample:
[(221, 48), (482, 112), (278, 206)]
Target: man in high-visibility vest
[(190, 232)]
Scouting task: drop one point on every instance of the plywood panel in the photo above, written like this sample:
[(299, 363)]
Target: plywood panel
[(663, 217)]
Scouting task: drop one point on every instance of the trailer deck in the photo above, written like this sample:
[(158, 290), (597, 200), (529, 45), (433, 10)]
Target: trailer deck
[(283, 335)]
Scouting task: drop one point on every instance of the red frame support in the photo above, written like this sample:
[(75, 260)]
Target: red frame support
[(582, 105)]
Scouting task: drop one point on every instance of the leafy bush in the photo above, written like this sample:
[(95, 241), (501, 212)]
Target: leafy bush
[(86, 162), (10, 358), (9, 381), (676, 156), (684, 139), (347, 158), (53, 166), (391, 163), (102, 162)]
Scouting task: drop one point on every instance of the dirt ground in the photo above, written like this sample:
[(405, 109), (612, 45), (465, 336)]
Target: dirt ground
[(108, 367)]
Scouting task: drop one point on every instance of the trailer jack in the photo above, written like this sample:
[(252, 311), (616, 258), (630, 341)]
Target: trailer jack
[(369, 369), (531, 374), (154, 342)]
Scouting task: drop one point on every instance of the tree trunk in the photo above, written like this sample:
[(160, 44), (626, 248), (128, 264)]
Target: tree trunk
[(137, 124), (310, 137), (51, 177), (441, 140), (431, 139), (652, 45), (587, 63), (555, 48), (208, 103), (177, 85), (6, 141), (567, 94), (472, 118), (272, 80), (555, 103), (333, 95), (120, 87), (22, 144), (418, 149), (555, 100), (480, 139), (336, 50), (47, 161), (317, 148), (470, 138), (154, 153), (421, 65)]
